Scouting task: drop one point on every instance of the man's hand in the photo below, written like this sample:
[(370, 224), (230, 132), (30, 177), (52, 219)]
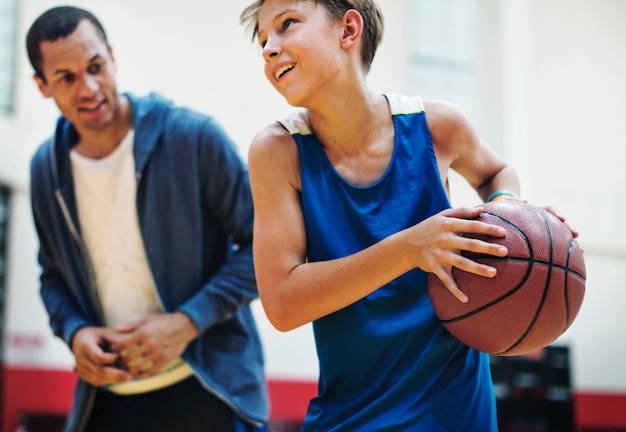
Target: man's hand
[(95, 363), (145, 346)]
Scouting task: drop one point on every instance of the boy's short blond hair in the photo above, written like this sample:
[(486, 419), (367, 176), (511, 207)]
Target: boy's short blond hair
[(373, 25)]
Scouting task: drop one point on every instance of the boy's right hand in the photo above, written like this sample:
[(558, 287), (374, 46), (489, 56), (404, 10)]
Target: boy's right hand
[(441, 242)]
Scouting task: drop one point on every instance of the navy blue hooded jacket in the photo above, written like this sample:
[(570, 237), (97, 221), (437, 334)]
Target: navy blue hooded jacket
[(196, 215)]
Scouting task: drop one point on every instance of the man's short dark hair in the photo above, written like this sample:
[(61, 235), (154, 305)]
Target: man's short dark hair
[(55, 23)]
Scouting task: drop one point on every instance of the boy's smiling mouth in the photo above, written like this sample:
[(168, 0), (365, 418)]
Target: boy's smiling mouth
[(281, 71)]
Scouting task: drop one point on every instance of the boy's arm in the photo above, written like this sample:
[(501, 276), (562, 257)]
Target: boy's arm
[(294, 291), (458, 147)]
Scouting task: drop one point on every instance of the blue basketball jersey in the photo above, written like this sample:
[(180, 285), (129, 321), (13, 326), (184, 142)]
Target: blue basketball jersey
[(386, 362)]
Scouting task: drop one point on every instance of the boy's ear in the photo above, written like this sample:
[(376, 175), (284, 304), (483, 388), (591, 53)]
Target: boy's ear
[(352, 28)]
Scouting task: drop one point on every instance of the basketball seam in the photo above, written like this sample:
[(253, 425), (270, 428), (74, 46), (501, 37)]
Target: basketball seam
[(545, 288), (565, 267), (566, 287)]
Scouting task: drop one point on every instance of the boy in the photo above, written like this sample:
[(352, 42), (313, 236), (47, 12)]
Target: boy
[(352, 211)]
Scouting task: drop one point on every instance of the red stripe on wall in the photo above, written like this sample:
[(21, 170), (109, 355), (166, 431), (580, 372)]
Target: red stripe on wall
[(600, 410), (290, 398), (33, 390)]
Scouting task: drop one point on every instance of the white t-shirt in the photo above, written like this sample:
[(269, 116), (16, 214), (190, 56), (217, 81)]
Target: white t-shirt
[(106, 193)]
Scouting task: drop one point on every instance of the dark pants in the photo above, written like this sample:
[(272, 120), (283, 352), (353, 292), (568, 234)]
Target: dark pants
[(185, 407)]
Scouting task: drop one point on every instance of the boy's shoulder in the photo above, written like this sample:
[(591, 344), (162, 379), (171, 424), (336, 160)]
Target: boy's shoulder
[(297, 122), (404, 104)]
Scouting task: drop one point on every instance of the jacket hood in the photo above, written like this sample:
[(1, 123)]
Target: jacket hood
[(148, 113)]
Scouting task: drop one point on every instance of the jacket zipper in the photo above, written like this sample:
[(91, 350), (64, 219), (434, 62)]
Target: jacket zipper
[(84, 251), (90, 403), (226, 402), (143, 243), (92, 289)]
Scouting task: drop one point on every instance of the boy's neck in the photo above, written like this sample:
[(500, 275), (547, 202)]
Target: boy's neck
[(350, 123)]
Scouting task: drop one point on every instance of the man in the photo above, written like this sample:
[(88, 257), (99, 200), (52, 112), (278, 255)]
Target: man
[(144, 217)]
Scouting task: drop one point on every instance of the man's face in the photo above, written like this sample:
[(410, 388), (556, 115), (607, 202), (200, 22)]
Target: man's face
[(80, 77)]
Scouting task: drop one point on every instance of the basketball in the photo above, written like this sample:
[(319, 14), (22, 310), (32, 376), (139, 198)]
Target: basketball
[(534, 297)]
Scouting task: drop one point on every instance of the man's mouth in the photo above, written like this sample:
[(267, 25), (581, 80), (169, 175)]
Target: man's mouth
[(92, 106)]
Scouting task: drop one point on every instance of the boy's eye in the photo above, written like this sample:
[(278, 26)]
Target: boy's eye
[(287, 23), (283, 27)]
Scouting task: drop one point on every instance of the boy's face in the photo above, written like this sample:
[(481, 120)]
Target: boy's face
[(80, 77), (300, 45)]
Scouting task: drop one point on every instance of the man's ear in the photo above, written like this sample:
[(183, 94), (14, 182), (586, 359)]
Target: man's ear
[(352, 28), (43, 87), (111, 54)]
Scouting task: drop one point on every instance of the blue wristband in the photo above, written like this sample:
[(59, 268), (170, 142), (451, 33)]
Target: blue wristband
[(501, 192)]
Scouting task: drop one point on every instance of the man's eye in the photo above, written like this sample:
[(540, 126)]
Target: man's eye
[(95, 68), (67, 79)]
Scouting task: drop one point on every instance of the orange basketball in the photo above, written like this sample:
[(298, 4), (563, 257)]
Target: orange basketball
[(536, 294)]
